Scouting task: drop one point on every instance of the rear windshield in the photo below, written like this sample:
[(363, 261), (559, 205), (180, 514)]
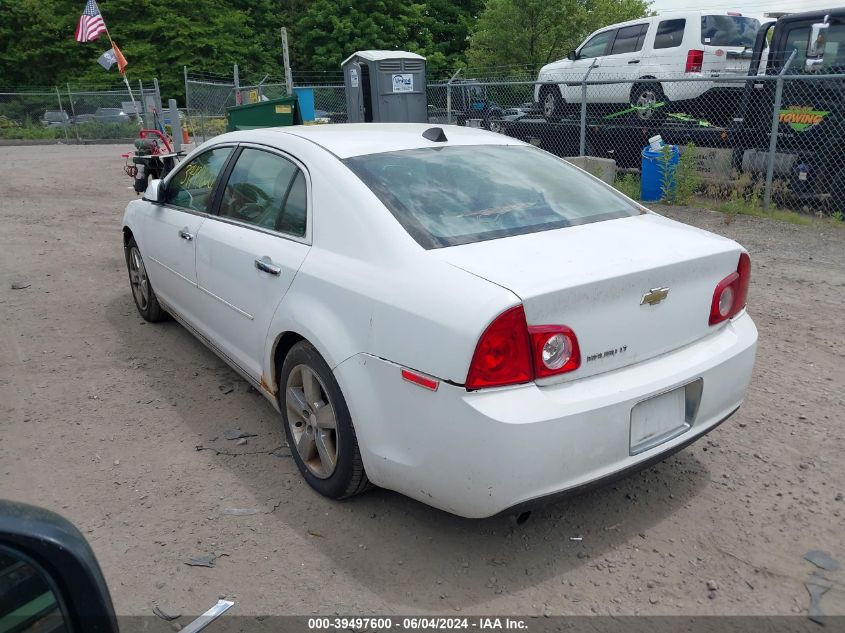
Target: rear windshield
[(462, 194), (728, 30)]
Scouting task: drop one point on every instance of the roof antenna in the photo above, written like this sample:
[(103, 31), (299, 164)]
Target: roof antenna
[(435, 134)]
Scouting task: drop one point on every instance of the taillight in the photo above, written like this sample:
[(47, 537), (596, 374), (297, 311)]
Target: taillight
[(555, 350), (731, 293), (503, 355), (695, 59), (510, 352)]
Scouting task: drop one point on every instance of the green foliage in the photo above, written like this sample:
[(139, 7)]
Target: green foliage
[(680, 181), (687, 178), (629, 184), (159, 37), (98, 129), (838, 216), (536, 32), (328, 31), (668, 184), (32, 131)]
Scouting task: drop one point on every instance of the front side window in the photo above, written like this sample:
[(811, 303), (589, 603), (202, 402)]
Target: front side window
[(193, 184), (261, 189), (596, 46), (670, 33), (833, 55), (462, 194), (629, 39)]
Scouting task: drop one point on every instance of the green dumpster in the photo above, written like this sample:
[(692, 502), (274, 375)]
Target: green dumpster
[(272, 113)]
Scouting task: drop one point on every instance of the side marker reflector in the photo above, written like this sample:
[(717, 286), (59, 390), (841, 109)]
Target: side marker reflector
[(420, 379)]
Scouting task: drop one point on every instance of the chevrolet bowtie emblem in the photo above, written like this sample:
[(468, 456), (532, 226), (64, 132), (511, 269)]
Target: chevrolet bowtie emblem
[(654, 296)]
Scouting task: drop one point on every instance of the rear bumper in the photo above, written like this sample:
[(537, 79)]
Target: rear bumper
[(478, 454), (557, 497)]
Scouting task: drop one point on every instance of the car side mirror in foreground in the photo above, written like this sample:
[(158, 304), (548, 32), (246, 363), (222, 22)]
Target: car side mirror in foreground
[(572, 55), (49, 578), (154, 192)]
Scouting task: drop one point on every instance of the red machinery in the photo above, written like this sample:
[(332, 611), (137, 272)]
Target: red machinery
[(153, 158)]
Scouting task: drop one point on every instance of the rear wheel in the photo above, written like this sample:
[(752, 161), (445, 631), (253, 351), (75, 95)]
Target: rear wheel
[(645, 98), (318, 426), (551, 102), (142, 290)]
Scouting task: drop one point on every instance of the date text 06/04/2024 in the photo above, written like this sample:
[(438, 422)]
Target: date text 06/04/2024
[(417, 623)]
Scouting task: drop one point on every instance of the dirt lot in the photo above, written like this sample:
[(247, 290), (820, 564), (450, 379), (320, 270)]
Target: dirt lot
[(118, 425)]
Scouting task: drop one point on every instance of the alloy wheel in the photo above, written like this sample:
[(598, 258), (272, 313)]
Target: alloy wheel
[(549, 105), (138, 279), (646, 101), (312, 421)]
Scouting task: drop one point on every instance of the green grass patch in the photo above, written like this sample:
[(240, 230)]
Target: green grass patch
[(32, 132)]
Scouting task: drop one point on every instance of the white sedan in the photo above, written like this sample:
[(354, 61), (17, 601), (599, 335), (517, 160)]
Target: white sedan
[(445, 312)]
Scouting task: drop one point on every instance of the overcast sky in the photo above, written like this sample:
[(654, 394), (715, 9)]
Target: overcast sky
[(746, 7)]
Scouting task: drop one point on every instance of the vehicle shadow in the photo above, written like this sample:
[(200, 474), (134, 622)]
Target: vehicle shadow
[(411, 555)]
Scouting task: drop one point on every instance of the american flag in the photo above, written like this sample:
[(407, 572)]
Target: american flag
[(91, 23)]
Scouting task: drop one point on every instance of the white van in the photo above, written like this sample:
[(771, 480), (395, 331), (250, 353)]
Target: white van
[(670, 45)]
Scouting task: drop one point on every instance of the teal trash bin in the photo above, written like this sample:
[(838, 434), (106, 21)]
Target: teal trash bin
[(651, 169)]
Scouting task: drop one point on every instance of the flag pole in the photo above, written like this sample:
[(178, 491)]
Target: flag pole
[(136, 112)]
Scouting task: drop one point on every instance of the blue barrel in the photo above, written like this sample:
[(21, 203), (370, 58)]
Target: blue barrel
[(652, 180)]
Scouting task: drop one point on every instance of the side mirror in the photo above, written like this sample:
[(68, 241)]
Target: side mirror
[(815, 46), (49, 577), (572, 55), (155, 192)]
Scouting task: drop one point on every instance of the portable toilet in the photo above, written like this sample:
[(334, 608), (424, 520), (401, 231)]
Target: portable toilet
[(386, 87)]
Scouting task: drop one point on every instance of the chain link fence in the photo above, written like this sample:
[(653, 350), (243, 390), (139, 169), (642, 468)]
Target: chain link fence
[(208, 96), (76, 114), (746, 142)]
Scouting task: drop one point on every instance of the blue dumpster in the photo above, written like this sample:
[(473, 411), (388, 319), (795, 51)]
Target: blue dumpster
[(652, 180)]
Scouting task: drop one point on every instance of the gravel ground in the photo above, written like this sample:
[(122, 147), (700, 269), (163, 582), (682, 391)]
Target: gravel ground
[(119, 425)]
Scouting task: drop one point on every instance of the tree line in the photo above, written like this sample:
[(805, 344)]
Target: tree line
[(159, 37)]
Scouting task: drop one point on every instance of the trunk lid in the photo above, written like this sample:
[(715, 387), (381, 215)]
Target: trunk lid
[(593, 278)]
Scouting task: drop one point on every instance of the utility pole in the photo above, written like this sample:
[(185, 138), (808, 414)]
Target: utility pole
[(237, 79), (286, 56)]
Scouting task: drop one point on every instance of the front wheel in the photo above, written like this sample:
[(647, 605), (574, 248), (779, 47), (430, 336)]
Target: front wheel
[(318, 426), (649, 102), (142, 290)]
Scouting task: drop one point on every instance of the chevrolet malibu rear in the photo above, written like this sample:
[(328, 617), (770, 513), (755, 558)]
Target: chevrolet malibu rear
[(446, 312), (615, 337)]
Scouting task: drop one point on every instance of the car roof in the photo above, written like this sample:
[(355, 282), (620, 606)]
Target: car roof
[(675, 14), (345, 140)]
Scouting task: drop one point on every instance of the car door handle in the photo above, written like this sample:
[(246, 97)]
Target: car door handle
[(633, 61), (185, 234), (267, 265)]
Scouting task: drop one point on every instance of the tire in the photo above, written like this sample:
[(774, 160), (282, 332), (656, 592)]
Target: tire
[(645, 95), (493, 122), (551, 103), (307, 387), (142, 290)]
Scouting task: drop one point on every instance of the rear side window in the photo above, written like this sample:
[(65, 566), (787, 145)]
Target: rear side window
[(728, 30), (670, 33), (629, 39), (463, 194), (294, 214), (259, 192)]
